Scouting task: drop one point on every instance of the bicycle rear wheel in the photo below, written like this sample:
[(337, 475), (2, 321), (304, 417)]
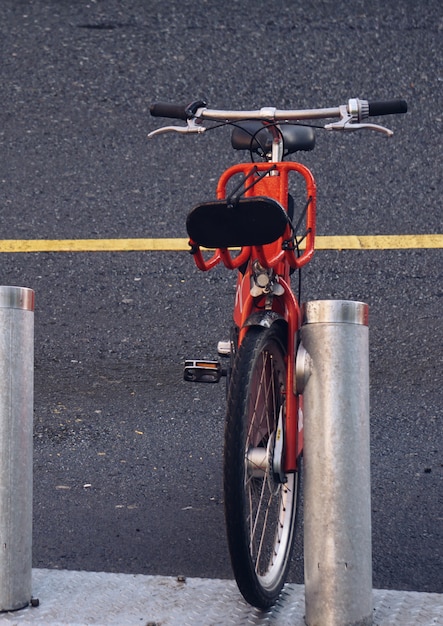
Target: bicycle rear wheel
[(260, 502)]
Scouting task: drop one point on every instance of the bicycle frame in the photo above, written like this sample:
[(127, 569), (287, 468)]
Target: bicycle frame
[(280, 256)]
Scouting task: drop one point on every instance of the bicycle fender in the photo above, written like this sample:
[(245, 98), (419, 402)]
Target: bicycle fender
[(264, 319)]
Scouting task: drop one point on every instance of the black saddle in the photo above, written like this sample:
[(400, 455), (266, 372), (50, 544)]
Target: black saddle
[(255, 136), (254, 221)]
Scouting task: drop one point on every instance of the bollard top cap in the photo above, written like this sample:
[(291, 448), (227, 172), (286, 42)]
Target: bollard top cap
[(335, 311), (16, 298)]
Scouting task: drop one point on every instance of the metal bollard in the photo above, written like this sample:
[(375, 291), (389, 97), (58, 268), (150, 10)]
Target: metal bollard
[(334, 356), (16, 426)]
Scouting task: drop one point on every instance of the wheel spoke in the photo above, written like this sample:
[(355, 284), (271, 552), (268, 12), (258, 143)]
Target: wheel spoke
[(262, 422), (260, 546)]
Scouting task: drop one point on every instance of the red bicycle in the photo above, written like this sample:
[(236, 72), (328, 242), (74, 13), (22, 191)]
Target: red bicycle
[(254, 227)]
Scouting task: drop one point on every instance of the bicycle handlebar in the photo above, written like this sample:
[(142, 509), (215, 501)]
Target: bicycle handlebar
[(361, 109), (351, 115)]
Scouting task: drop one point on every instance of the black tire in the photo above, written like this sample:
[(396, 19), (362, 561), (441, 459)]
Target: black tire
[(260, 504)]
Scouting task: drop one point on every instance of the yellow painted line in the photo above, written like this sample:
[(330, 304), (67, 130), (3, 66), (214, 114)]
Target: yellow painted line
[(378, 242), (338, 242), (91, 245)]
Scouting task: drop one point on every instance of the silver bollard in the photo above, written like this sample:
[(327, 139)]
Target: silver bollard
[(16, 426), (334, 356)]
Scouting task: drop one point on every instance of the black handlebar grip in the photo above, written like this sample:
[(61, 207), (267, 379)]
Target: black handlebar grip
[(387, 107), (166, 109)]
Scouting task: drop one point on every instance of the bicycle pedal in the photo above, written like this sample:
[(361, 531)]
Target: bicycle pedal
[(203, 371)]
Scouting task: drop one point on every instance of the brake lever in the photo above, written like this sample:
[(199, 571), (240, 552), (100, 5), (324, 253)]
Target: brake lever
[(347, 122), (192, 127)]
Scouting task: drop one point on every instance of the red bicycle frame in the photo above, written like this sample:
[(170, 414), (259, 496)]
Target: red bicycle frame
[(271, 180)]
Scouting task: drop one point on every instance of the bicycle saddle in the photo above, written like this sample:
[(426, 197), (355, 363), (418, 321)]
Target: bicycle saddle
[(254, 221), (255, 136)]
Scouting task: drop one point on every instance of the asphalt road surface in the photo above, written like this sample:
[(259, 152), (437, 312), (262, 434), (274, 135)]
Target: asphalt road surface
[(127, 473)]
